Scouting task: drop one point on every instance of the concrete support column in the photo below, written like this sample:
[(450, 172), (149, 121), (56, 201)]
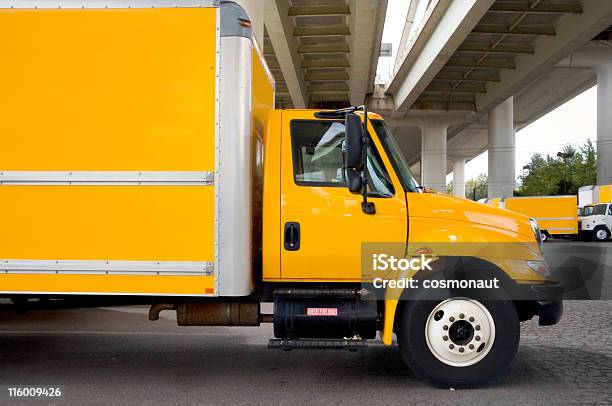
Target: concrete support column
[(255, 11), (604, 124), (433, 153), (502, 157), (459, 177)]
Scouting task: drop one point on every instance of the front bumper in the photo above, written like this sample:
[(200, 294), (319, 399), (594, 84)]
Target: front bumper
[(548, 299)]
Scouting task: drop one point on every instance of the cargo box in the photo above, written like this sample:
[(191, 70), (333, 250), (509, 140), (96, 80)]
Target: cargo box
[(127, 152)]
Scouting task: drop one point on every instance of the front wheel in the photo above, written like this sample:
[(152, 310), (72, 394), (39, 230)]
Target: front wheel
[(601, 234), (460, 341)]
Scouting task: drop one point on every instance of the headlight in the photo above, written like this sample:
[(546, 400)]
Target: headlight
[(537, 234), (540, 267)]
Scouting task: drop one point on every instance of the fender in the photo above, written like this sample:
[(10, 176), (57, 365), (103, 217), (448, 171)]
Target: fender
[(451, 268)]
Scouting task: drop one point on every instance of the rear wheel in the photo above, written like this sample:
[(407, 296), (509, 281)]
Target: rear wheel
[(460, 341), (601, 234), (544, 235)]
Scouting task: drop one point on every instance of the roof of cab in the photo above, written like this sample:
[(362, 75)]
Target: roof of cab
[(371, 115)]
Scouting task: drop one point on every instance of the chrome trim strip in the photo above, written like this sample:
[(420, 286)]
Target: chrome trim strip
[(88, 267), (555, 218), (105, 178), (217, 146), (234, 181), (100, 4)]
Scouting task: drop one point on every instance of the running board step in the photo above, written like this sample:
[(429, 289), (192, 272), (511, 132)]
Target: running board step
[(287, 344)]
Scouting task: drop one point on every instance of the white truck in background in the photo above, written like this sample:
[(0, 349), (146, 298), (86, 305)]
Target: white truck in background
[(595, 222), (593, 194), (595, 212)]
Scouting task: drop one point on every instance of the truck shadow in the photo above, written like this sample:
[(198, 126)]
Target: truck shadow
[(80, 349)]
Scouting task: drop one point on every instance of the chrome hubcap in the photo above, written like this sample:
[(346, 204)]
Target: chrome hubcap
[(460, 332)]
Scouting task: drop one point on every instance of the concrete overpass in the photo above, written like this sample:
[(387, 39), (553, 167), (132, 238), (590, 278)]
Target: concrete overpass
[(322, 53), (470, 73)]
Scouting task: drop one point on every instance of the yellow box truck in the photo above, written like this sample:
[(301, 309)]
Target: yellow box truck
[(556, 215), (142, 162)]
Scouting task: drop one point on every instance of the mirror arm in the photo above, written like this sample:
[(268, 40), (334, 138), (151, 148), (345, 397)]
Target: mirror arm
[(366, 207)]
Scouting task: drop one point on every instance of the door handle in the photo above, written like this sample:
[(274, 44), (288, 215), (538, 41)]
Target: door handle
[(292, 236)]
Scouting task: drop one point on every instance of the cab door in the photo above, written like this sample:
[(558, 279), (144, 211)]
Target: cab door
[(322, 223)]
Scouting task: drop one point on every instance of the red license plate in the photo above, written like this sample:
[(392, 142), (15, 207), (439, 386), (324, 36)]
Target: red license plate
[(321, 311)]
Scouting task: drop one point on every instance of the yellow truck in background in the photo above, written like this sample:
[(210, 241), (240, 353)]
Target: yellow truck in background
[(556, 215), (143, 163)]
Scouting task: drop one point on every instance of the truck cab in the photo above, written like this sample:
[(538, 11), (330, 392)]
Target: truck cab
[(595, 222), (318, 233)]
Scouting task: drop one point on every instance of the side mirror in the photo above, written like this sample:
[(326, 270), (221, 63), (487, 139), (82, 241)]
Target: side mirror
[(353, 144), (354, 181)]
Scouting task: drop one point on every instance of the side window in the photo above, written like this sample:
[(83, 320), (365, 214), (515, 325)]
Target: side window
[(318, 159), (317, 152), (610, 210)]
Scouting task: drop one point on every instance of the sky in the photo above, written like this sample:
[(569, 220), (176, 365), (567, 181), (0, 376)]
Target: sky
[(572, 123)]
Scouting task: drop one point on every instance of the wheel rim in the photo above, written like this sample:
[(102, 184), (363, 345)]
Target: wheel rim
[(460, 332), (601, 234), (543, 236)]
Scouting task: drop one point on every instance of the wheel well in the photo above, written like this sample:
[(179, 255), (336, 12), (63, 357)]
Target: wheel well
[(470, 268)]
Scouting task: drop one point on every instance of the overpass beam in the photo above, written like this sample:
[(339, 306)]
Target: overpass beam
[(366, 24), (433, 152), (604, 124), (459, 177), (280, 29), (501, 150)]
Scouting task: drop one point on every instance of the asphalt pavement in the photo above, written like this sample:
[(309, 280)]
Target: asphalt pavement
[(115, 356)]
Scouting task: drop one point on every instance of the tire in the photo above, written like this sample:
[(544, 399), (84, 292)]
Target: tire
[(544, 236), (601, 234), (416, 348)]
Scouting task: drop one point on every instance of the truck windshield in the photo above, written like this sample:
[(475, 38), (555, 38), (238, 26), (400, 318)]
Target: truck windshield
[(395, 156), (600, 209)]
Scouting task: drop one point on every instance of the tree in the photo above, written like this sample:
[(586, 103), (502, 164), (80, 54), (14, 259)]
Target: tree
[(449, 188), (585, 172), (476, 188), (552, 175), (479, 183)]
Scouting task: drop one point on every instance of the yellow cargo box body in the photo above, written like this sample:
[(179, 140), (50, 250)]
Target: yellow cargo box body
[(604, 194), (554, 214), (495, 202), (107, 132)]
